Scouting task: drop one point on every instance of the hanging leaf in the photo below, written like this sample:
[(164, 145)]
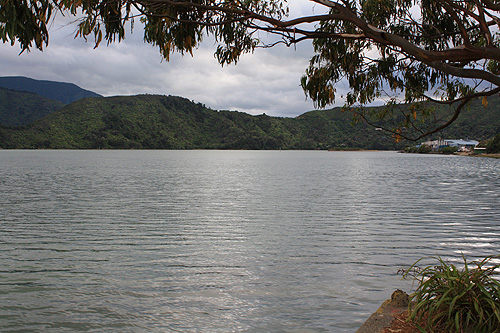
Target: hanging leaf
[(98, 40), (485, 101)]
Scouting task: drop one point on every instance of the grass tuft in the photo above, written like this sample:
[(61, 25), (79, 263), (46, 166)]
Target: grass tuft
[(450, 299)]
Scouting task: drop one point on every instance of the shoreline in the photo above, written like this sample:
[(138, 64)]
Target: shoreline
[(487, 155), (385, 315)]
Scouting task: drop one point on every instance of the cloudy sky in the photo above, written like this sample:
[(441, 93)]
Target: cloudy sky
[(267, 81)]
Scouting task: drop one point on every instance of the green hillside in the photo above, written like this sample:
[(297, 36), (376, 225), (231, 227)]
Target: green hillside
[(168, 122), (60, 91), (475, 122), (21, 108)]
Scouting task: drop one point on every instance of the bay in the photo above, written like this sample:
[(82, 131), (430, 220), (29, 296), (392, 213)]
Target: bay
[(211, 241)]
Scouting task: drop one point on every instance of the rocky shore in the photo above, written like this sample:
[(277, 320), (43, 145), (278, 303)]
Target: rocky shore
[(387, 314)]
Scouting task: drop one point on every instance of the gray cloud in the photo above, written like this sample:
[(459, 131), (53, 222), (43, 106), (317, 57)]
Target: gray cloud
[(267, 81)]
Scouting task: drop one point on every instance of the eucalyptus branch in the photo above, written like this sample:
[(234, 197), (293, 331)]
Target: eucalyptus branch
[(458, 21), (449, 45), (490, 5)]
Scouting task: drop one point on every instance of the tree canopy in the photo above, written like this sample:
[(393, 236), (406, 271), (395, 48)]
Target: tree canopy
[(410, 51)]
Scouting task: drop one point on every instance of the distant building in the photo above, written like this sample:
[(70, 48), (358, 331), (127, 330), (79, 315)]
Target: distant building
[(434, 144), (462, 145)]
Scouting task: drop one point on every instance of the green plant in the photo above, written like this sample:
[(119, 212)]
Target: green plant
[(494, 145), (456, 300), (424, 149), (414, 46), (449, 150), (409, 149)]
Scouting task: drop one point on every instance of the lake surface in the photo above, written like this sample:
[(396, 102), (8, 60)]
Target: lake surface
[(258, 241)]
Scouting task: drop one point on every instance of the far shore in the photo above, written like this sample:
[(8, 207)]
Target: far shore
[(480, 155), (354, 149), (489, 155)]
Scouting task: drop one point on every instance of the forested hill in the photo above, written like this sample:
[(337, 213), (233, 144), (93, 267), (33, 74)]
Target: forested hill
[(20, 108), (168, 122), (60, 91), (475, 121)]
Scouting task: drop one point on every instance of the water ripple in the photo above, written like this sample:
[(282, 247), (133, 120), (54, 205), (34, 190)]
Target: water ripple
[(228, 240)]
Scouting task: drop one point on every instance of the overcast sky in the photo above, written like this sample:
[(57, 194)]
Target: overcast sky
[(267, 81)]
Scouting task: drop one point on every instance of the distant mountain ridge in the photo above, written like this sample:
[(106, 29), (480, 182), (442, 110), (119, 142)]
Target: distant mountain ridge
[(19, 108), (170, 122), (60, 91)]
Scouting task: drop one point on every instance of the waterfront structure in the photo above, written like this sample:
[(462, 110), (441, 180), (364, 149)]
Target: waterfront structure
[(461, 144)]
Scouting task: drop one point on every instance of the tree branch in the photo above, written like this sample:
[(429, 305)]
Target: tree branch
[(463, 102)]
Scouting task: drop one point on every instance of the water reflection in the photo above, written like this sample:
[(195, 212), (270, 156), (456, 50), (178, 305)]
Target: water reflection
[(228, 240)]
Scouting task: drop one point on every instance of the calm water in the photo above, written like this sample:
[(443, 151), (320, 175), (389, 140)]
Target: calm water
[(144, 241)]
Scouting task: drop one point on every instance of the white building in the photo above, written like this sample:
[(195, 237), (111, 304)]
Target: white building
[(462, 145)]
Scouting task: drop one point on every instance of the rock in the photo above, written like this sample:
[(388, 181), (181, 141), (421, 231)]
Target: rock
[(399, 298), (383, 317)]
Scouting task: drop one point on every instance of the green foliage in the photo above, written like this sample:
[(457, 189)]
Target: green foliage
[(456, 300), (410, 149), (21, 108), (494, 145), (374, 68), (424, 149), (384, 49), (168, 122), (25, 21), (449, 150), (476, 121)]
